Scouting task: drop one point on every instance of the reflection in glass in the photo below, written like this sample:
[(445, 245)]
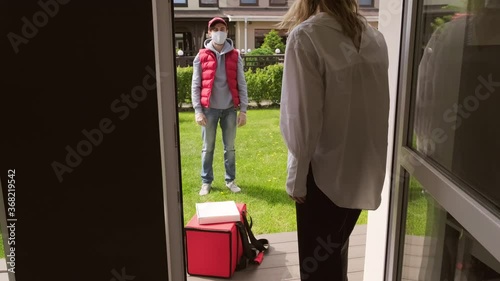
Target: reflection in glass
[(457, 100), (438, 248)]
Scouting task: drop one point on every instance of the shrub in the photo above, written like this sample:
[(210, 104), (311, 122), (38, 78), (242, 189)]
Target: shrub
[(274, 77), (262, 84), (256, 85), (261, 52), (184, 78)]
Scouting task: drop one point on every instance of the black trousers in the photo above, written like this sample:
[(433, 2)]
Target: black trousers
[(323, 231)]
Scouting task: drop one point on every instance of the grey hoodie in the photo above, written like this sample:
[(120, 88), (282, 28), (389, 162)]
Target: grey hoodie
[(221, 96)]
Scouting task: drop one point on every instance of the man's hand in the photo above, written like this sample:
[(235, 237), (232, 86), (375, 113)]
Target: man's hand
[(242, 119), (200, 119)]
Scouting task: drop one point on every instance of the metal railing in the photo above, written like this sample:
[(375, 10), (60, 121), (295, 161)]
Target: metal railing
[(250, 62), (253, 62)]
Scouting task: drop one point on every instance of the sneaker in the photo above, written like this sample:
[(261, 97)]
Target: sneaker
[(233, 187), (205, 189)]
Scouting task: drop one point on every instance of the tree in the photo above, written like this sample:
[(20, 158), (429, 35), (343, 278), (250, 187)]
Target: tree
[(273, 41)]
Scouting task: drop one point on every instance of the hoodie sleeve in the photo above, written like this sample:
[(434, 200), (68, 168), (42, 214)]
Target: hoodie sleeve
[(196, 85), (242, 85), (301, 109)]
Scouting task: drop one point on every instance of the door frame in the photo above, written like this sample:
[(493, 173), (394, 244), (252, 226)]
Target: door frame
[(163, 15)]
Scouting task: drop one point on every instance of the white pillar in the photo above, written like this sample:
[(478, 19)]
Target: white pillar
[(390, 23), (246, 33)]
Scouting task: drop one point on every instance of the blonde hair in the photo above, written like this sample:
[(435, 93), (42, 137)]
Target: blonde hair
[(344, 11)]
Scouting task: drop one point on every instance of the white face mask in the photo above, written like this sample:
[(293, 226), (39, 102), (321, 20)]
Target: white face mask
[(219, 37)]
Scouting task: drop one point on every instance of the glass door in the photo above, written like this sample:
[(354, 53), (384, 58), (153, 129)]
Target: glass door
[(445, 215)]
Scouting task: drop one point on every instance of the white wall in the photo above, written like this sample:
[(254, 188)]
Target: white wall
[(252, 25)]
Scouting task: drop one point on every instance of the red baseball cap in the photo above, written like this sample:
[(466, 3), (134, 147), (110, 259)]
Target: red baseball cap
[(216, 20)]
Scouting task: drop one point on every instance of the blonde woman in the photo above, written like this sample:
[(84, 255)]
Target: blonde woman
[(334, 120)]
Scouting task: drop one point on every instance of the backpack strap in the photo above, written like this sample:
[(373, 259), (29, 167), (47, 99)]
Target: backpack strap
[(253, 251), (261, 244)]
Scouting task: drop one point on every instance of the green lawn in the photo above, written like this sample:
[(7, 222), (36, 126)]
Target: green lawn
[(417, 214), (260, 171), (2, 252)]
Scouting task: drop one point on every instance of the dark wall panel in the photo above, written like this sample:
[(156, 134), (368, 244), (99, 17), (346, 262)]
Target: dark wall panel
[(79, 124)]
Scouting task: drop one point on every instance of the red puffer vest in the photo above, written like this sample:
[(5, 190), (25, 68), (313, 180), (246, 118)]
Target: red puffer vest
[(208, 68)]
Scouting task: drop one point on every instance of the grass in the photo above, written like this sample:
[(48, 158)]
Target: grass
[(261, 158), (417, 215), (2, 251)]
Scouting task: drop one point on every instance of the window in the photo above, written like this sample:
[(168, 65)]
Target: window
[(446, 178), (209, 3), (180, 3), (365, 3), (456, 101), (277, 2), (438, 247), (249, 2)]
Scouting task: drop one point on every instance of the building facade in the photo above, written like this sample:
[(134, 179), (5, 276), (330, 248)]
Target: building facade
[(249, 20)]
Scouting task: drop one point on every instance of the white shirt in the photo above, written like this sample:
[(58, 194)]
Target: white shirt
[(334, 112)]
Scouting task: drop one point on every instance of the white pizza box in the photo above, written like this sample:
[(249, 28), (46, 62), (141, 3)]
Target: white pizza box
[(217, 212)]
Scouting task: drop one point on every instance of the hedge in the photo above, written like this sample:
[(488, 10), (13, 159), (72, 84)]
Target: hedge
[(184, 77), (263, 84)]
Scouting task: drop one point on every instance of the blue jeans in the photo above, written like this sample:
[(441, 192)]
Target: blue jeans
[(227, 120)]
